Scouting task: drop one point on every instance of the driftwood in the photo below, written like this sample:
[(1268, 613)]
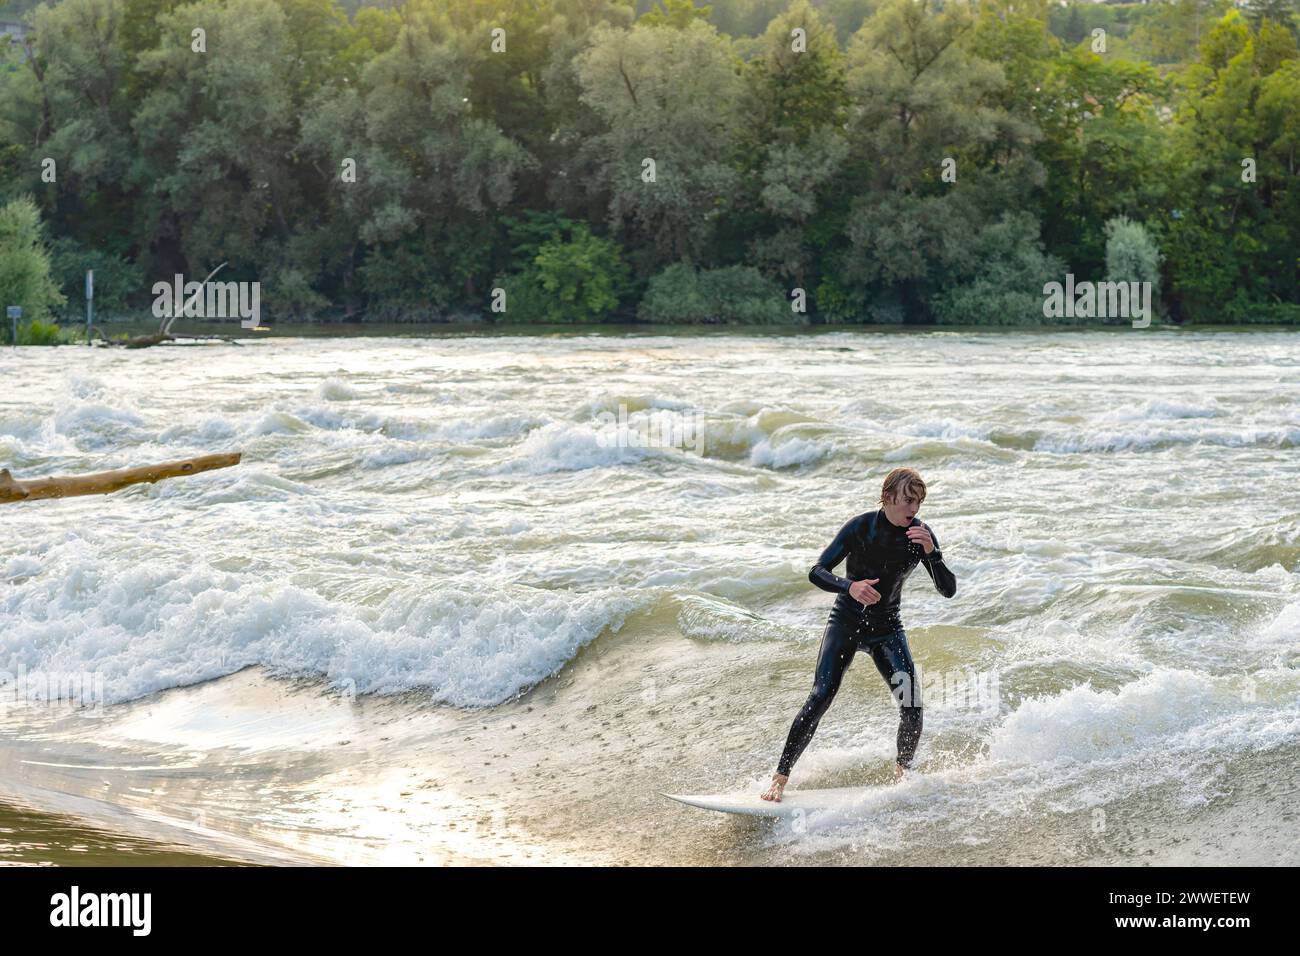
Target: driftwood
[(144, 341), (101, 483), (202, 338), (164, 333)]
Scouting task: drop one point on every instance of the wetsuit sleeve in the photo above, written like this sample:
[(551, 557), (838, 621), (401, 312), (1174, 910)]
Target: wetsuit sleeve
[(820, 573), (944, 580)]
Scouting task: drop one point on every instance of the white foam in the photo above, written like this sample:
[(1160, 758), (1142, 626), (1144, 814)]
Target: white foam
[(1189, 432), (276, 423), (208, 428), (1154, 409), (84, 386), (616, 404), (943, 447), (561, 446), (336, 390), (1083, 723), (498, 426), (395, 453), (788, 454), (247, 483), (147, 627), (946, 429), (1283, 630), (97, 426)]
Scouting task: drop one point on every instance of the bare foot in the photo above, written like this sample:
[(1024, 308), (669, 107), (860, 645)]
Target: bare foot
[(898, 772), (773, 792)]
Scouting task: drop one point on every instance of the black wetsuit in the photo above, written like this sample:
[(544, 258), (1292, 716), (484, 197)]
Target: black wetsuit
[(875, 548)]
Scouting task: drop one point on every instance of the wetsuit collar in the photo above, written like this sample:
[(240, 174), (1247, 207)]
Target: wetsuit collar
[(889, 524)]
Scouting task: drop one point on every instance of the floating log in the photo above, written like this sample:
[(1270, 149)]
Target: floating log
[(101, 483), (144, 341), (159, 338), (164, 333)]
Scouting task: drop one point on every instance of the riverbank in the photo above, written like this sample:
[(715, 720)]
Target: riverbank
[(232, 329)]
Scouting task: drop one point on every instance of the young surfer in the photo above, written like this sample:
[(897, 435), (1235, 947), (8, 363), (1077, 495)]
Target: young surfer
[(882, 548)]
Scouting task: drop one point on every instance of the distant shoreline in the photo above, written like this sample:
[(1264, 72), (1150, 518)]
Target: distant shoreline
[(336, 329)]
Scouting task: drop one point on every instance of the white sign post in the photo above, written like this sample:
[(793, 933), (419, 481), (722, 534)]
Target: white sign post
[(90, 298), (15, 313)]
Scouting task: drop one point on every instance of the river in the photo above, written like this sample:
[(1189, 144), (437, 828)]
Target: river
[(459, 603)]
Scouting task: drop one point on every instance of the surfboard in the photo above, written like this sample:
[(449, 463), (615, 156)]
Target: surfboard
[(749, 803)]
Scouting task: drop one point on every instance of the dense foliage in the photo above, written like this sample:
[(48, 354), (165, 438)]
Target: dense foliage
[(868, 160)]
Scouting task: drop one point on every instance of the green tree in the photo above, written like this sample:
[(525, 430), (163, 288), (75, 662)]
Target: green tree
[(676, 14), (117, 279), (569, 274), (749, 18), (585, 276), (924, 103), (1075, 30), (732, 294), (1280, 12), (86, 129), (25, 278), (1001, 281), (668, 101), (793, 143), (1173, 33), (1100, 117), (1132, 254), (1230, 240), (215, 135), (429, 172)]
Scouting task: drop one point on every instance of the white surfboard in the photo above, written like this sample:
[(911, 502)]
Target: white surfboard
[(749, 802)]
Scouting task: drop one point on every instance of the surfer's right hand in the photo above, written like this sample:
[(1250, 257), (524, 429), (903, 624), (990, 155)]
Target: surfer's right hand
[(863, 592)]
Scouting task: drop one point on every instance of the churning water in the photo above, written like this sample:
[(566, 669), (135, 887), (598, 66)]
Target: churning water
[(449, 607)]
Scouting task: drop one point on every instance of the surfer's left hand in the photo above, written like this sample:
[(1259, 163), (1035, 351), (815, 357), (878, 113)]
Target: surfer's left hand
[(921, 536)]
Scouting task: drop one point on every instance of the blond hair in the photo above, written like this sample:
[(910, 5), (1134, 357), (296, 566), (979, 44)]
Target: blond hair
[(902, 480)]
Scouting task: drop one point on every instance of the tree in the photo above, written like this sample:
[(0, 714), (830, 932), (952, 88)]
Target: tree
[(668, 97), (569, 274), (215, 135), (923, 101), (1001, 282), (1101, 125), (1231, 238), (675, 14), (25, 278), (1173, 31), (1280, 12), (793, 143), (735, 294), (430, 172), (1075, 31), (80, 74), (1131, 254)]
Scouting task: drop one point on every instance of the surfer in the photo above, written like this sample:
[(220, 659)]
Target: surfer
[(882, 548)]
